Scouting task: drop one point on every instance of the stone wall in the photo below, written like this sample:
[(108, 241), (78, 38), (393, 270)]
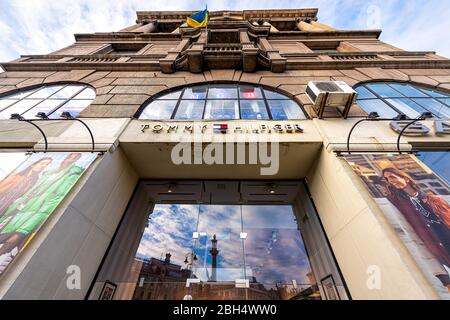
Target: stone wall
[(120, 94)]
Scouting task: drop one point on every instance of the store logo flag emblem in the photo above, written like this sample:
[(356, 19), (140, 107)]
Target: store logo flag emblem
[(222, 128)]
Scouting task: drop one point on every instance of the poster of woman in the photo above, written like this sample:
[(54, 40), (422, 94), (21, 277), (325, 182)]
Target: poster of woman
[(31, 193), (416, 201)]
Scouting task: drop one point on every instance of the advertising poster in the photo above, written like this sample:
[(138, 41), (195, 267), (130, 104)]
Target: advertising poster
[(31, 193), (415, 200)]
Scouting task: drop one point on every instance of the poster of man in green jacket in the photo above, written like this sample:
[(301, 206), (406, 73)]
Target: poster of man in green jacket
[(26, 215)]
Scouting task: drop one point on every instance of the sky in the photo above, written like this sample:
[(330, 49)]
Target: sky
[(43, 26)]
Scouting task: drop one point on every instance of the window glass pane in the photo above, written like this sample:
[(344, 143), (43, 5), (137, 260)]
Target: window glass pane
[(438, 162), (407, 90), (446, 101), (434, 93), (67, 92), (285, 109), (159, 109), (46, 106), (173, 95), (198, 92), (224, 91), (21, 94), (222, 109), (254, 110), (20, 107), (229, 257), (434, 106), (45, 92), (274, 95), (190, 109), (377, 106), (274, 250), (364, 93), (250, 92), (73, 106), (384, 91), (407, 107), (87, 93), (4, 103)]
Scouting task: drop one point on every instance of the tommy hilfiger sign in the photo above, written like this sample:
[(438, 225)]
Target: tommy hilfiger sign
[(441, 127), (221, 128)]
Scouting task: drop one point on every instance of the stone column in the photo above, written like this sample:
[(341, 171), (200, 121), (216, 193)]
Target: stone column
[(249, 52), (303, 25), (148, 27)]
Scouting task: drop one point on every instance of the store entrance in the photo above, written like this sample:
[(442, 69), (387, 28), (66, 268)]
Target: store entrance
[(198, 241)]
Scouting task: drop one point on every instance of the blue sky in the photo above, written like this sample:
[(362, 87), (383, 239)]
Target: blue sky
[(42, 26)]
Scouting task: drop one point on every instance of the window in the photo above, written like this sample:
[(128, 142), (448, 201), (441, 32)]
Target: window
[(52, 100), (223, 102), (390, 99)]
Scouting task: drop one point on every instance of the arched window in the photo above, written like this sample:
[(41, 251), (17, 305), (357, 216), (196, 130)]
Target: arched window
[(391, 98), (222, 102), (50, 99)]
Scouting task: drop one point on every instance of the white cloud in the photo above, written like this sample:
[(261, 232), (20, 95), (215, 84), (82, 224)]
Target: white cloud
[(43, 26)]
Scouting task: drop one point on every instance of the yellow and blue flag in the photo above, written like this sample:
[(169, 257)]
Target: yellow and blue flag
[(199, 20)]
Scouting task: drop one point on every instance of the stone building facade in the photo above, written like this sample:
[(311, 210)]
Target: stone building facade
[(279, 50)]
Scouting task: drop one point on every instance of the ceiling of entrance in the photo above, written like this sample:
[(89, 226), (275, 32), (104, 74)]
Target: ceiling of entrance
[(223, 192)]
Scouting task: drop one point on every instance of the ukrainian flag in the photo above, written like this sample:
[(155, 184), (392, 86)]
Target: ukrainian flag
[(199, 20)]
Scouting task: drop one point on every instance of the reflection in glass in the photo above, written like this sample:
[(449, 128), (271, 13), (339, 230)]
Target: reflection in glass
[(21, 94), (199, 251), (408, 90), (172, 95), (250, 92), (438, 162), (46, 99), (222, 109), (224, 91), (73, 106), (390, 98), (385, 91), (159, 109), (198, 92), (436, 107), (68, 92), (434, 93), (285, 109), (407, 107), (4, 103), (364, 93), (20, 107), (45, 92), (274, 95), (384, 110), (226, 102), (254, 110), (86, 94), (190, 109), (46, 106)]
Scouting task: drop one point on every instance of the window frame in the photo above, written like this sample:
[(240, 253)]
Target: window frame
[(417, 87), (208, 85), (34, 89)]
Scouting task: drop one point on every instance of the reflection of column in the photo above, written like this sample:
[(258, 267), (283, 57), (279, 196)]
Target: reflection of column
[(214, 252)]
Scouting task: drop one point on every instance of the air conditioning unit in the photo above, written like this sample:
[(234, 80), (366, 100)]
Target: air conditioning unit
[(324, 94)]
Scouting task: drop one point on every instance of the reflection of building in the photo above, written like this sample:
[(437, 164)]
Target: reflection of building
[(158, 82), (160, 280)]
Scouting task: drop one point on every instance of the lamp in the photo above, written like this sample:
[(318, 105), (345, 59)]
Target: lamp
[(16, 116), (425, 115), (271, 187), (66, 115), (42, 115)]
